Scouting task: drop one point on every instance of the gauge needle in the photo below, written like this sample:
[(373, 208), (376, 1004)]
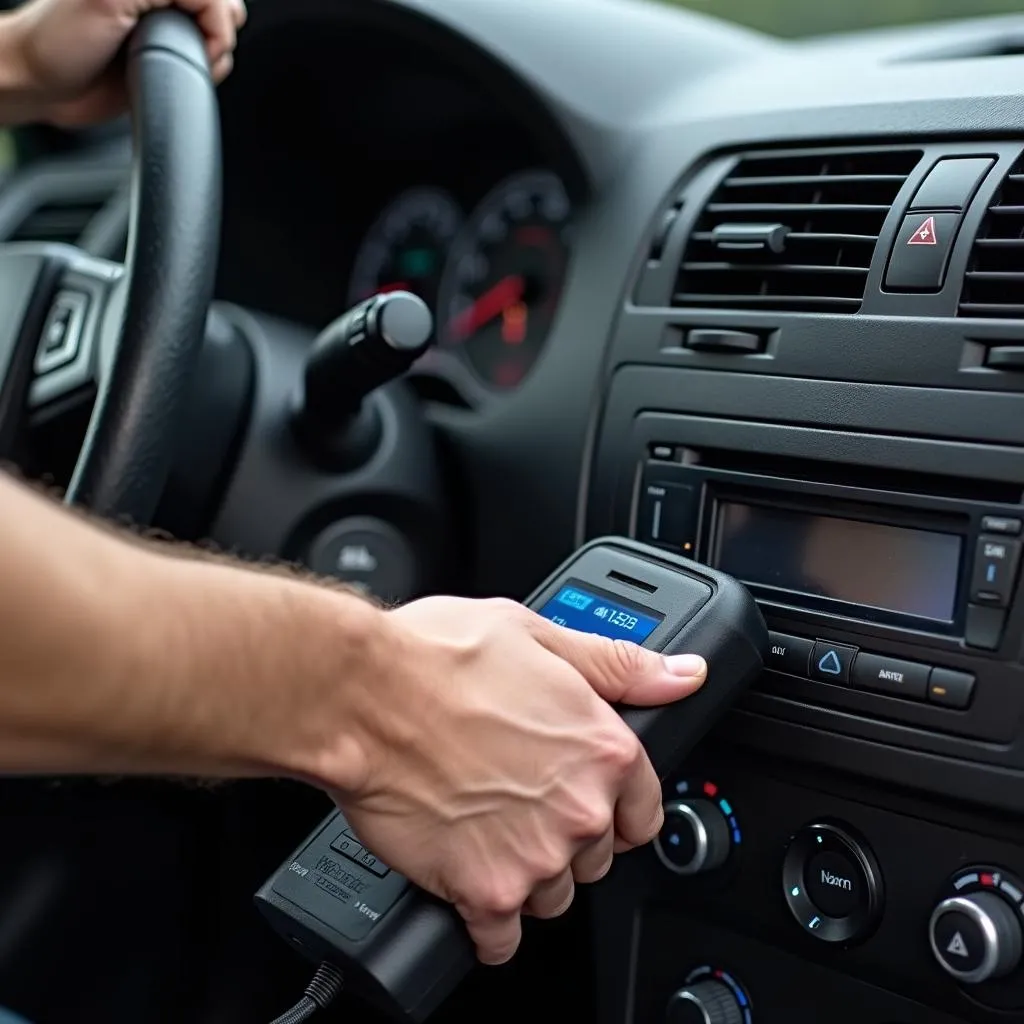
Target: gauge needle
[(507, 292)]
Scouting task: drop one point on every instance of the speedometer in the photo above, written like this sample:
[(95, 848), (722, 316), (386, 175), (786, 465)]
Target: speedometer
[(406, 248), (504, 278)]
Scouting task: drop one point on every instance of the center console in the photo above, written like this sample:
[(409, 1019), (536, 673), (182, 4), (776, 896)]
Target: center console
[(806, 393)]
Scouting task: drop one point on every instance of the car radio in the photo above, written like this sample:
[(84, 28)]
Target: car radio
[(890, 604)]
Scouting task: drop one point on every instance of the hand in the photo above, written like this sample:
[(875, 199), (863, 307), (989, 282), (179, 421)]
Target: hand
[(495, 771), (66, 51)]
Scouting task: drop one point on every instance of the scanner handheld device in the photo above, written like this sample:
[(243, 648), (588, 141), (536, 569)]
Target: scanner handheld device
[(405, 951)]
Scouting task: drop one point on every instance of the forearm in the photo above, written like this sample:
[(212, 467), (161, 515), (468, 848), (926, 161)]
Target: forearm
[(116, 657)]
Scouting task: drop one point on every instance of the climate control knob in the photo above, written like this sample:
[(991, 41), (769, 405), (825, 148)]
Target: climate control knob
[(976, 937), (695, 837), (707, 1002)]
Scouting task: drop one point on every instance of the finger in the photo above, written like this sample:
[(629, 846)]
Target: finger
[(495, 935), (594, 861), (622, 672), (239, 13), (222, 68), (639, 814), (216, 18), (552, 898)]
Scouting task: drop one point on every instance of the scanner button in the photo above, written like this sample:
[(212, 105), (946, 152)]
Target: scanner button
[(831, 663), (347, 846), (789, 654), (371, 863), (897, 678)]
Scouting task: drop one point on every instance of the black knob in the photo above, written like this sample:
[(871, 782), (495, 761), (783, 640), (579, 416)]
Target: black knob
[(707, 1002), (695, 837), (370, 345), (976, 938)]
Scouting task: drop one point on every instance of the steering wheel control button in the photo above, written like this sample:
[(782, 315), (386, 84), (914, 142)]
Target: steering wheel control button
[(668, 516), (695, 838), (62, 332), (831, 663), (977, 937), (832, 883), (952, 183), (949, 689), (789, 654), (367, 554), (995, 571), (921, 251), (905, 679)]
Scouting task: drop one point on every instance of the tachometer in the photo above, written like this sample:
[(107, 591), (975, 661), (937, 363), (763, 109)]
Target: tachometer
[(504, 277), (406, 248)]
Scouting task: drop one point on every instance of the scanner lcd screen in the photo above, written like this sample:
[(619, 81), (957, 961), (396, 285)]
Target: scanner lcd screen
[(579, 608)]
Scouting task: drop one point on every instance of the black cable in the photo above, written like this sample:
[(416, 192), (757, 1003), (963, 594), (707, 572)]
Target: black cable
[(327, 983)]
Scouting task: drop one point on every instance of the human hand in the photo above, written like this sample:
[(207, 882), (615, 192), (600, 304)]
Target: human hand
[(65, 51), (494, 771)]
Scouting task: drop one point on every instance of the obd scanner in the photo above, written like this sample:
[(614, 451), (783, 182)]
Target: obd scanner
[(404, 951)]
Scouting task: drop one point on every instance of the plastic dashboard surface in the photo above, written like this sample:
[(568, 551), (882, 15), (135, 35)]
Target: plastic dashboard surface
[(650, 103)]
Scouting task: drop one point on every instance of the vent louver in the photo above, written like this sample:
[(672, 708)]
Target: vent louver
[(59, 220), (994, 285), (792, 231)]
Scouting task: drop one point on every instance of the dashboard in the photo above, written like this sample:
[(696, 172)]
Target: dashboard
[(758, 302)]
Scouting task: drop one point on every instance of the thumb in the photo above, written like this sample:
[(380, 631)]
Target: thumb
[(622, 672)]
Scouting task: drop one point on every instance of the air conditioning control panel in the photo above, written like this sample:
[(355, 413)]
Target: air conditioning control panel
[(831, 895)]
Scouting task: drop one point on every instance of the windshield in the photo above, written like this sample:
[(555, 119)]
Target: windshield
[(811, 17)]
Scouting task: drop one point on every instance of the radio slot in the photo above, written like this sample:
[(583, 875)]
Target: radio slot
[(886, 604)]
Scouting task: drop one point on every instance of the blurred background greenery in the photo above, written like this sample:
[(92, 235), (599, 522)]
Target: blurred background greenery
[(810, 17)]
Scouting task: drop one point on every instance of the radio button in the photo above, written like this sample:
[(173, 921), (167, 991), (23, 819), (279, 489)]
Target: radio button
[(995, 571), (985, 627), (831, 663), (950, 689), (789, 654), (891, 676), (1002, 525), (668, 516)]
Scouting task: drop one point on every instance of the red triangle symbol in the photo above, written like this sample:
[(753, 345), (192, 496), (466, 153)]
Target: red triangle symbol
[(925, 234)]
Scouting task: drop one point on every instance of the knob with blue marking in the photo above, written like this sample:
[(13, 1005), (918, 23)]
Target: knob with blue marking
[(695, 838)]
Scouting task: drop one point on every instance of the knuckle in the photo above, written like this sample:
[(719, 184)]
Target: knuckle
[(620, 749), (501, 898), (593, 820)]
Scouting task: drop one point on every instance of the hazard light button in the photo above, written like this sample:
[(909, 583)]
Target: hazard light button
[(921, 252)]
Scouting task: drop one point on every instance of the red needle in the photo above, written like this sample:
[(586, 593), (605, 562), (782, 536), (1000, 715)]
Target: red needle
[(507, 292)]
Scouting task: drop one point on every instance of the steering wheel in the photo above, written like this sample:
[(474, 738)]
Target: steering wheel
[(133, 332)]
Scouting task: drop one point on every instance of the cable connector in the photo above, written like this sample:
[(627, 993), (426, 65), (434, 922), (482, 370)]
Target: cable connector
[(325, 987)]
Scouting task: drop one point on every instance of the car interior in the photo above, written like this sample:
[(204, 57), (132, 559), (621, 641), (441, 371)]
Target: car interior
[(740, 281)]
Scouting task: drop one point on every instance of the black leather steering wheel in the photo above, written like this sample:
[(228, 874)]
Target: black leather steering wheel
[(134, 332)]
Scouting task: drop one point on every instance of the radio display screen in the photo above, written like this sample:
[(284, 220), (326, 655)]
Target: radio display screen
[(577, 607), (889, 568)]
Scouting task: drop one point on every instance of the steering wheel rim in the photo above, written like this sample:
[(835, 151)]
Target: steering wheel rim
[(138, 331)]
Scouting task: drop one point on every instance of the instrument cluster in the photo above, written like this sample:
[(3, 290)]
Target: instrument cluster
[(492, 275)]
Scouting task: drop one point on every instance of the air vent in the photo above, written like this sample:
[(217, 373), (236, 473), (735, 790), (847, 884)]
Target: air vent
[(792, 231), (994, 286), (60, 220)]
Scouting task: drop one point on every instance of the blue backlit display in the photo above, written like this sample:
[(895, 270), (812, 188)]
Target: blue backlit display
[(578, 608)]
